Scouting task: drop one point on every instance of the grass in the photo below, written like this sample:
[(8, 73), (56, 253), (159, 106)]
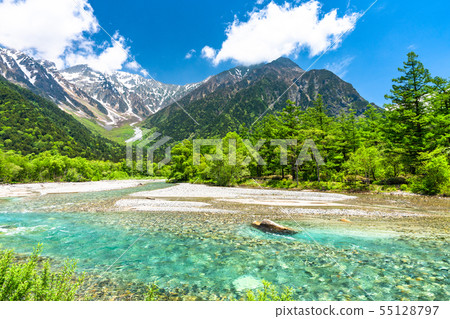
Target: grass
[(118, 134), (270, 293)]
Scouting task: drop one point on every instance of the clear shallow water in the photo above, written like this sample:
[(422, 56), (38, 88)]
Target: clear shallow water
[(220, 255)]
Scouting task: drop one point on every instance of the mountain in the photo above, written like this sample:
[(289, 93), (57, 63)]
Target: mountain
[(39, 77), (110, 99), (240, 95), (217, 105), (31, 124), (124, 94)]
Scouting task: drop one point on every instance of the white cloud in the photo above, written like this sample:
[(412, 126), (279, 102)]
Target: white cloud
[(134, 66), (112, 58), (259, 2), (281, 30), (58, 31), (208, 52), (190, 54), (340, 68)]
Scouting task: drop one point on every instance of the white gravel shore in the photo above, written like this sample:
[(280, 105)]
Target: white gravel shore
[(204, 191), (268, 197), (36, 189), (167, 206), (349, 212)]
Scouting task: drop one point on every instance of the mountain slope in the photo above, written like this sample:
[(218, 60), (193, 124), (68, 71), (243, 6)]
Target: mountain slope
[(32, 124), (110, 99), (39, 77), (124, 94), (227, 101)]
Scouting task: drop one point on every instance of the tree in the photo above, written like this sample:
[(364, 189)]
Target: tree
[(289, 129), (434, 174), (365, 162), (370, 127), (232, 168), (407, 125), (440, 103), (316, 125)]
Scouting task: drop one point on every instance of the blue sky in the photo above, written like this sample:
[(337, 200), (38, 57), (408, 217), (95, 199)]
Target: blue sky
[(162, 32), (159, 34)]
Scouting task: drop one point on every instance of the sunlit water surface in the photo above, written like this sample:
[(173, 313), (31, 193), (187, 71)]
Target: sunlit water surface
[(215, 257)]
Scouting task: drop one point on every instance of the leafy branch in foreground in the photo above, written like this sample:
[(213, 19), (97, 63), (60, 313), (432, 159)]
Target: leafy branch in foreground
[(270, 293), (153, 293), (28, 281)]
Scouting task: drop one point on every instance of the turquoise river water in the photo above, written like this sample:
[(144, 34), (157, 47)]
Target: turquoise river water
[(220, 256)]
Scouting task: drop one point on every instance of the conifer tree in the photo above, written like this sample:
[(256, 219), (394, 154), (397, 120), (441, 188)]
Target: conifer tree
[(407, 126)]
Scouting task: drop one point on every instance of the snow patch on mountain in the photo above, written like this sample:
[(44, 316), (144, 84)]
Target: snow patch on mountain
[(111, 98)]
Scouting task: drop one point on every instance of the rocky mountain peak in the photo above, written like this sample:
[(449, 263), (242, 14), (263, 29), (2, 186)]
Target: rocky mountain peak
[(110, 98)]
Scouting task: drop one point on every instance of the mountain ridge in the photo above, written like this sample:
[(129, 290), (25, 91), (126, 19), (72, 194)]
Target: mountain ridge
[(237, 96), (31, 124), (226, 102), (109, 99)]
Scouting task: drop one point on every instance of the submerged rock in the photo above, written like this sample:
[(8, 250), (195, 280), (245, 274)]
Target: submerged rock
[(269, 226), (247, 282)]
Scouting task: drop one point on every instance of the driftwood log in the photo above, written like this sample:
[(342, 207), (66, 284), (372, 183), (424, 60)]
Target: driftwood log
[(271, 227)]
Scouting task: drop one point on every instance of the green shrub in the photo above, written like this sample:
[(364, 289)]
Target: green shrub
[(434, 176), (28, 281), (404, 187), (269, 293), (153, 293)]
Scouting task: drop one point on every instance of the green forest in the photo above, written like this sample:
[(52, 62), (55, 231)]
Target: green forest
[(406, 144), (40, 142), (30, 124)]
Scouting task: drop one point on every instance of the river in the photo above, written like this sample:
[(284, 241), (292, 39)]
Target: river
[(210, 251)]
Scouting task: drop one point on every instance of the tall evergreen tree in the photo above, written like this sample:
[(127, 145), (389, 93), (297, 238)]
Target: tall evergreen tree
[(407, 124)]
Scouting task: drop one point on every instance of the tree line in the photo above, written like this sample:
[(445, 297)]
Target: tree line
[(407, 143), (30, 124)]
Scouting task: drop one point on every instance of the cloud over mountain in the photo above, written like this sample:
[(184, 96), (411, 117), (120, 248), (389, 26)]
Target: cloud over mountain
[(281, 30), (59, 31)]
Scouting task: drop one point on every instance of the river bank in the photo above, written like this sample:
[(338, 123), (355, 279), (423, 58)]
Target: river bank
[(39, 189)]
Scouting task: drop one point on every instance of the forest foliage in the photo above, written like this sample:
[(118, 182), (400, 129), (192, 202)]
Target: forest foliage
[(51, 167), (406, 143), (30, 124)]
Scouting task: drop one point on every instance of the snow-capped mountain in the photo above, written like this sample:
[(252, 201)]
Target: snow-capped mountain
[(39, 76), (125, 93), (108, 98), (237, 97)]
